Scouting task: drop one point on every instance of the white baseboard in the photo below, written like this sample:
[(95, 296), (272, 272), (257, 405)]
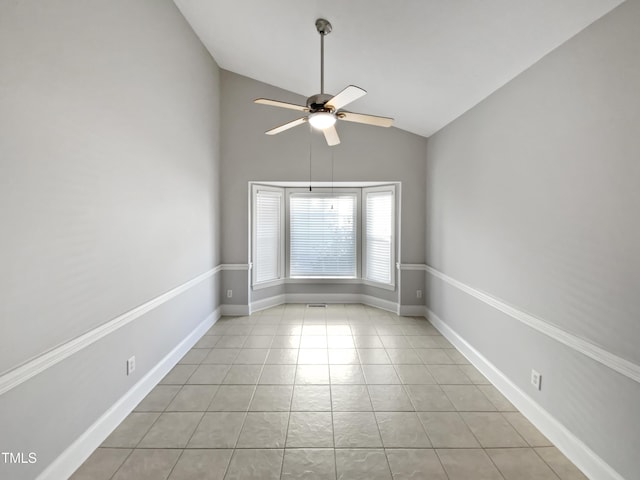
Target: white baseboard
[(69, 461), (235, 310), (323, 298), (579, 453)]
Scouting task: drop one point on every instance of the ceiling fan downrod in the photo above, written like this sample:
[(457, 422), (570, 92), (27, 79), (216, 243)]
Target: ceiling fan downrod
[(324, 28)]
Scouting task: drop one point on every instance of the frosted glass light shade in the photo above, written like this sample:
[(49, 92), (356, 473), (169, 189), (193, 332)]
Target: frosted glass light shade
[(322, 120)]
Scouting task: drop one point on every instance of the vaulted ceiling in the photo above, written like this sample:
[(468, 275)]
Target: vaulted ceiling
[(423, 62)]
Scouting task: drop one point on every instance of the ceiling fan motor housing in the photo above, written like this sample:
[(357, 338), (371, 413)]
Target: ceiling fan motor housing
[(316, 103)]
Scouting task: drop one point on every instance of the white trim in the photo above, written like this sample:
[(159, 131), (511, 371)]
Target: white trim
[(323, 298), (579, 453), (33, 367), (229, 310), (599, 354), (412, 266), (76, 453), (234, 266)]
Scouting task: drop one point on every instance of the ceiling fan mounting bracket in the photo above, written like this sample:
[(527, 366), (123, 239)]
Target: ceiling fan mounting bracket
[(317, 103), (323, 26)]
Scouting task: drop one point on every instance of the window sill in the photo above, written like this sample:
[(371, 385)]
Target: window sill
[(322, 280)]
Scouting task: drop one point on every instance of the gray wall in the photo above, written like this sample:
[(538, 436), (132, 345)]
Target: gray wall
[(365, 154), (109, 197), (532, 197)]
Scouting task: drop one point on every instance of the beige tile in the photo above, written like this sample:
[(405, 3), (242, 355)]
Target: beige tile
[(473, 373), (148, 464), (447, 430), (132, 429), (380, 374), (224, 356), (264, 429), (423, 341), (389, 398), (271, 398), (560, 464), (403, 356), (492, 430), (355, 429), (194, 356), (346, 374), (466, 464), (367, 341), (201, 465), (286, 341), (231, 341), (171, 430), (312, 375), (251, 356), (343, 356), (208, 374), (498, 400), (401, 429), (350, 398), (394, 341), (178, 375), (520, 464), (309, 430), (313, 356), (282, 356), (309, 463), (373, 356), (434, 356), (278, 375), (232, 398), (243, 375), (531, 434), (255, 464), (412, 464), (449, 375), (468, 398), (102, 464), (362, 464), (217, 430), (340, 341), (158, 399), (311, 398), (414, 374), (208, 341), (429, 398), (457, 357), (193, 398)]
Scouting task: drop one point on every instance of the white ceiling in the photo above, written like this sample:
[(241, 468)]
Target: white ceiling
[(423, 62)]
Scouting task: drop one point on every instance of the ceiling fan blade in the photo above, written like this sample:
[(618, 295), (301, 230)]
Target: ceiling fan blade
[(286, 126), (331, 135), (278, 103), (346, 96), (367, 119)]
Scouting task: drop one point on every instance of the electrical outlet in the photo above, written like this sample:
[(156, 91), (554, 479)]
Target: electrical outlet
[(536, 380), (229, 293), (418, 293), (131, 365)]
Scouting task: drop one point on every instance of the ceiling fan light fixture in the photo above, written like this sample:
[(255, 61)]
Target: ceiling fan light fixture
[(322, 120)]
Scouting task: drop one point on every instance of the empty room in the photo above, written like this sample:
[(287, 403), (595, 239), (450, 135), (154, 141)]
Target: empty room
[(331, 240)]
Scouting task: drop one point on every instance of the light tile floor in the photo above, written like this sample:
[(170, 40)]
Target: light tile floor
[(348, 392)]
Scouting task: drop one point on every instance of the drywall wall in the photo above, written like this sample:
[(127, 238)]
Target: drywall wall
[(109, 172), (533, 198), (365, 154)]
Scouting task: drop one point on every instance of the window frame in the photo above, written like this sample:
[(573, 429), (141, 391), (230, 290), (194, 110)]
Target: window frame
[(324, 192)]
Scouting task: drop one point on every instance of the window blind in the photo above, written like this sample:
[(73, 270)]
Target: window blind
[(322, 235), (268, 228), (379, 236)]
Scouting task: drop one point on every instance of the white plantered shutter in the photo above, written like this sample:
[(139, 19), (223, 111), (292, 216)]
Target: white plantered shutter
[(379, 232), (268, 230)]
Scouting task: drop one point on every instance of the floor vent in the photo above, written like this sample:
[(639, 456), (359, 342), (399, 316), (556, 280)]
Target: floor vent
[(316, 305)]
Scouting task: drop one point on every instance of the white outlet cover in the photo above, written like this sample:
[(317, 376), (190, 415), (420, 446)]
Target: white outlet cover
[(131, 365), (536, 380)]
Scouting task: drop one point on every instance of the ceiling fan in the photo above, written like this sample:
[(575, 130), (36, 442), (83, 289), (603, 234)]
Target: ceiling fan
[(324, 109)]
